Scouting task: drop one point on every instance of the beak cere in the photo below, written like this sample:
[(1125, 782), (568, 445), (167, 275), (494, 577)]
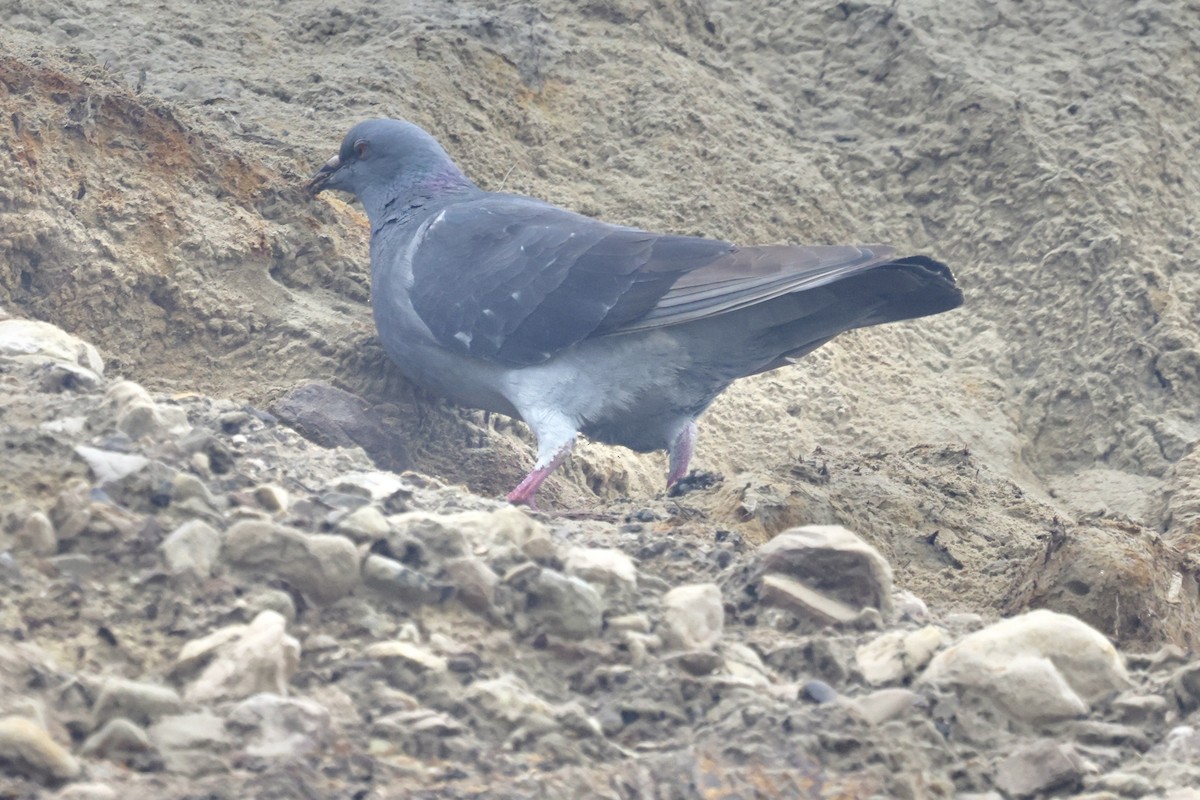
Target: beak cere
[(324, 174)]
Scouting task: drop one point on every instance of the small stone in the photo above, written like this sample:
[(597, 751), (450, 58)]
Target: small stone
[(276, 600), (394, 579), (242, 660), (808, 604), (1042, 766), (833, 562), (897, 655), (744, 663), (119, 737), (564, 606), (506, 703), (1140, 709), (411, 655), (139, 416), (332, 417), (108, 466), (699, 662), (26, 748), (37, 535), (86, 791), (638, 623), (194, 546), (475, 583), (1038, 667), (364, 524), (200, 730), (186, 487), (33, 341), (324, 567), (818, 692), (135, 700), (374, 485), (608, 569), (885, 704), (1098, 732), (272, 497), (281, 727), (694, 616), (76, 565), (1123, 784)]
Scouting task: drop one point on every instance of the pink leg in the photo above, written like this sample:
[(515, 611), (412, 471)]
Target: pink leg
[(681, 454), (526, 490)]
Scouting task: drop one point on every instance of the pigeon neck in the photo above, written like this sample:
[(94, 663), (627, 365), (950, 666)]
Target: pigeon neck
[(402, 200)]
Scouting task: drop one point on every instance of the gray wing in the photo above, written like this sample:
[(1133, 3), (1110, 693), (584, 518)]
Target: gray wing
[(516, 281)]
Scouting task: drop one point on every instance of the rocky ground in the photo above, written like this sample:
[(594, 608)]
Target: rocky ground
[(196, 600)]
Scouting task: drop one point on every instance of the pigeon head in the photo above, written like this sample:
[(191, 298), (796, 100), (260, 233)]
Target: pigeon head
[(381, 159)]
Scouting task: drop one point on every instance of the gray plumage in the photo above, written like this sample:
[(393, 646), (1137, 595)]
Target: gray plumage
[(510, 304)]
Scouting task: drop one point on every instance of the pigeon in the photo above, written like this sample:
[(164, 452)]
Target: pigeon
[(510, 304)]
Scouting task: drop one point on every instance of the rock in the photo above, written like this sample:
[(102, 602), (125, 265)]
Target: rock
[(32, 341), (743, 663), (275, 600), (323, 567), (138, 701), (374, 485), (192, 744), (819, 692), (1042, 766), (118, 738), (694, 616), (1038, 667), (37, 535), (408, 666), (273, 498), (475, 583), (832, 561), (139, 416), (897, 655), (506, 703), (281, 727), (885, 704), (364, 524), (1123, 784), (332, 417), (242, 660), (638, 623), (108, 466), (608, 569), (1140, 709), (185, 487), (808, 604), (86, 791), (392, 578), (564, 606), (26, 748), (193, 547)]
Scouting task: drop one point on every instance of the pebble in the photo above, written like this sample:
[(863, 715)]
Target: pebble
[(409, 666), (807, 603), (1041, 766), (198, 730), (195, 546), (275, 727), (817, 691), (694, 616), (139, 416), (1123, 784), (135, 700), (561, 605), (394, 579), (832, 561), (108, 466), (744, 663), (119, 737), (242, 660), (322, 566), (897, 655), (885, 704), (33, 341), (185, 487), (365, 524), (475, 583), (27, 748), (276, 600), (85, 791), (272, 497), (37, 535), (507, 703), (606, 568), (1038, 667)]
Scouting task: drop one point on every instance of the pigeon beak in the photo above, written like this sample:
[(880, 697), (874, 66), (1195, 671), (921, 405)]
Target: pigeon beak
[(320, 181)]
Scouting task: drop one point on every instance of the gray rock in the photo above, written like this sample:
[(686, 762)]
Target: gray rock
[(185, 487), (505, 703), (1038, 667), (832, 561), (1123, 784), (332, 417), (898, 655), (275, 727), (694, 616), (1140, 709), (408, 666), (788, 593), (608, 569), (85, 791), (394, 579), (194, 546), (273, 498), (241, 660), (139, 416), (27, 749), (134, 700), (118, 738), (364, 524), (324, 567), (36, 342), (1042, 766), (564, 606), (192, 744), (275, 600)]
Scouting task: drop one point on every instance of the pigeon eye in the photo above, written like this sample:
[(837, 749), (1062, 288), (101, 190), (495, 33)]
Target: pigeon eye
[(361, 148)]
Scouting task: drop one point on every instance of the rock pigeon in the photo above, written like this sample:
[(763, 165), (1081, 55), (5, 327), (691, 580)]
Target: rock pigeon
[(507, 303)]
